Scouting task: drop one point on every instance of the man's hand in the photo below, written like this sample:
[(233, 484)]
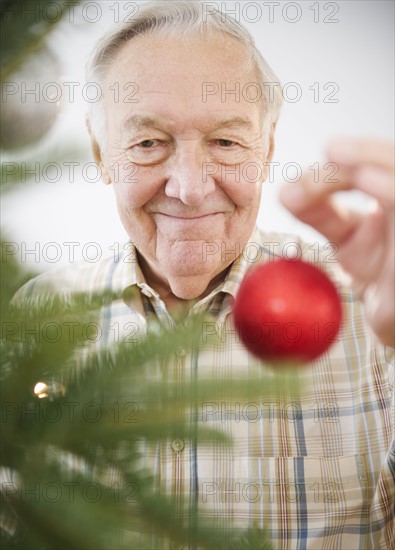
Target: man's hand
[(366, 241)]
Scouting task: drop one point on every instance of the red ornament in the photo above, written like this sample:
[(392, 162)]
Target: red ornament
[(287, 311)]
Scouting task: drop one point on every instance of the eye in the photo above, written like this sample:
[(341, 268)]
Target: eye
[(148, 143), (149, 151), (226, 142)]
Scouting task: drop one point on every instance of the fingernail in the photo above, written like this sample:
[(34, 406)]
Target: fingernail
[(343, 151)]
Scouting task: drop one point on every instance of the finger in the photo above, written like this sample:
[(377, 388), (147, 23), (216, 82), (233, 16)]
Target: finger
[(311, 191), (374, 181), (377, 183), (319, 210), (331, 178), (351, 152)]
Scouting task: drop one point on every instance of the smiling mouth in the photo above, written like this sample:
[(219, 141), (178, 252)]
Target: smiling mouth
[(199, 217)]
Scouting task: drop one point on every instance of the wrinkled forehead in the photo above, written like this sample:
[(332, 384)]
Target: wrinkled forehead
[(218, 51), (191, 70)]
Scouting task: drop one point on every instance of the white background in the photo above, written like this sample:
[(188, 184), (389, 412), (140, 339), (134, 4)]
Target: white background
[(356, 53)]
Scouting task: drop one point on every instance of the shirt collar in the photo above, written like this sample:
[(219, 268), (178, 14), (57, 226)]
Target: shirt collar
[(240, 266), (128, 272)]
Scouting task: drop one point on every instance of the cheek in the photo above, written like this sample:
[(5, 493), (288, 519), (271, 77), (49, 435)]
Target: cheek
[(135, 185), (242, 181), (243, 192)]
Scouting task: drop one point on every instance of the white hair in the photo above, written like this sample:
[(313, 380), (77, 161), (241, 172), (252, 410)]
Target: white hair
[(176, 18)]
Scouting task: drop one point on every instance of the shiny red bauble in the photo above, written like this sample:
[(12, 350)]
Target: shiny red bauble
[(287, 311)]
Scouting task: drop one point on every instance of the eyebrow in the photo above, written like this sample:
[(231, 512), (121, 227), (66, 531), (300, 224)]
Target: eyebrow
[(233, 122), (136, 122)]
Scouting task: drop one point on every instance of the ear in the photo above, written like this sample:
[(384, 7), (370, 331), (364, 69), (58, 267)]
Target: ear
[(270, 150), (271, 143), (97, 154)]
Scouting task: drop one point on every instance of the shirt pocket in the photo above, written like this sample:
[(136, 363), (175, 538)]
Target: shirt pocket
[(303, 501)]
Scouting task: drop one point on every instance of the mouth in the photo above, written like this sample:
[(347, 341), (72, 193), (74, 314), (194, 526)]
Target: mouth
[(192, 225), (189, 218)]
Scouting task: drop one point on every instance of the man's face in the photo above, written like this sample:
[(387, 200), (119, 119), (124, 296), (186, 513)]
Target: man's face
[(186, 166)]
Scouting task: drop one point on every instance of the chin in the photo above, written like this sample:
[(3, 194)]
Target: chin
[(191, 288), (188, 268), (189, 259)]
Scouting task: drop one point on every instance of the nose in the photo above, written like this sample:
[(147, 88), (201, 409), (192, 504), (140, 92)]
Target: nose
[(187, 179)]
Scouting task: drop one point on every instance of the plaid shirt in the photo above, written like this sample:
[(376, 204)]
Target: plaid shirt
[(319, 471)]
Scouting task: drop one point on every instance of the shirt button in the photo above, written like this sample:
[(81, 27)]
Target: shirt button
[(181, 352), (177, 445)]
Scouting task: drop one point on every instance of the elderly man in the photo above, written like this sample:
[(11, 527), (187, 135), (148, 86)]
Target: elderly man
[(174, 150)]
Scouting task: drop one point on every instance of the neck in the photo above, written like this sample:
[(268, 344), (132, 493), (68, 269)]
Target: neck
[(179, 294)]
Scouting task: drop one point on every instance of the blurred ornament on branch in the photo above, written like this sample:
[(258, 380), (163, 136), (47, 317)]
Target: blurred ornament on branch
[(29, 70), (29, 105)]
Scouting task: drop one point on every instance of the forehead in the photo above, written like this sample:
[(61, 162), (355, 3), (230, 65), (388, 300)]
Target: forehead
[(186, 75)]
